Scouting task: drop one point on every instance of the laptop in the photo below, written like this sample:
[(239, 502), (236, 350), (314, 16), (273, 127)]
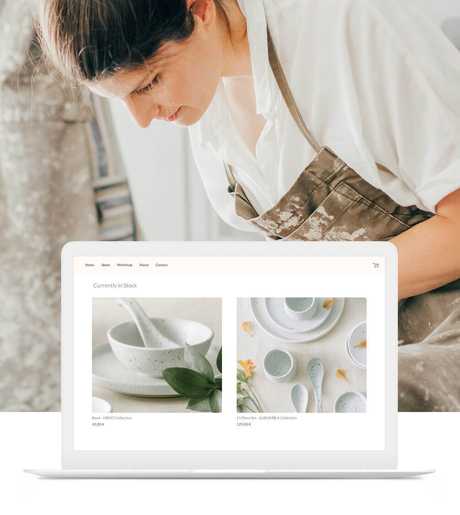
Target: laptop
[(229, 360)]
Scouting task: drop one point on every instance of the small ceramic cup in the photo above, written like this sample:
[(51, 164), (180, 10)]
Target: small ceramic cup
[(351, 402), (357, 351), (279, 365), (301, 308)]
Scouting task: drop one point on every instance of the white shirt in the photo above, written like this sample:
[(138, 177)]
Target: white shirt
[(374, 80)]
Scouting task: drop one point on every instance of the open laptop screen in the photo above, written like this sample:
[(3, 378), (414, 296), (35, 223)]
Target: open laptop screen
[(232, 355)]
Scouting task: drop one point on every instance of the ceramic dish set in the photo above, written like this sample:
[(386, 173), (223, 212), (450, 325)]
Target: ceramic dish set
[(297, 320), (303, 320), (125, 365)]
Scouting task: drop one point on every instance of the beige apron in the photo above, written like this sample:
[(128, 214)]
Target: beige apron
[(330, 201)]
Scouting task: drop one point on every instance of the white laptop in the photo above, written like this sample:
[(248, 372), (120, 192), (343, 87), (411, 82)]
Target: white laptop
[(224, 359)]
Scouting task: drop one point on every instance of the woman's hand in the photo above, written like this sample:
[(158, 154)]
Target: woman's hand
[(429, 253)]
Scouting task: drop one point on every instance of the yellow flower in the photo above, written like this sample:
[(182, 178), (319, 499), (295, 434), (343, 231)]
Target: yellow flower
[(247, 327), (328, 303), (248, 367), (341, 373)]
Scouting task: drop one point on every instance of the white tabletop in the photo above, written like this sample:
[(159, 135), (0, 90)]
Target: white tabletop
[(107, 313), (331, 349)]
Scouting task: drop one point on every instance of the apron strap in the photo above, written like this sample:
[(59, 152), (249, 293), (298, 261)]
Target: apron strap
[(282, 82)]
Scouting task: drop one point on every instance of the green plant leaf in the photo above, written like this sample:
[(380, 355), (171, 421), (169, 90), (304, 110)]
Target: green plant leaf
[(218, 381), (198, 362), (215, 401), (199, 405), (240, 376), (188, 382), (244, 404), (240, 404), (219, 361)]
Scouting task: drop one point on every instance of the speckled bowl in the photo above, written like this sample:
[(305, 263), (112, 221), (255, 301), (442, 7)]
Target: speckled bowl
[(127, 345), (279, 365), (351, 402)]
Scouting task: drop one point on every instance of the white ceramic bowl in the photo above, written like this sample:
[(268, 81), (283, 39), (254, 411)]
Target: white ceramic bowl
[(301, 308), (279, 365), (127, 345), (357, 355), (351, 402)]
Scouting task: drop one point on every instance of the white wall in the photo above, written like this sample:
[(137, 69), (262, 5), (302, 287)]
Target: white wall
[(155, 160), (167, 191)]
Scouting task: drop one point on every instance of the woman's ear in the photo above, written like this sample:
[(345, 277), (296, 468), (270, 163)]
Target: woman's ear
[(201, 8)]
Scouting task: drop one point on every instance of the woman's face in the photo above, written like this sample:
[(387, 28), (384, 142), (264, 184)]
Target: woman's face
[(179, 83)]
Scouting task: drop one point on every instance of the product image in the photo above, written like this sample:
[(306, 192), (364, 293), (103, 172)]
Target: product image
[(302, 354), (156, 363)]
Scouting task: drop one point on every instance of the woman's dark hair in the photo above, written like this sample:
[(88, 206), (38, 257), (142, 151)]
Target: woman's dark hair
[(90, 39)]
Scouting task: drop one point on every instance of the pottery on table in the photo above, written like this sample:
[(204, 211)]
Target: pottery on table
[(358, 354), (269, 313), (127, 345), (150, 334), (279, 365), (276, 310), (351, 402), (301, 308)]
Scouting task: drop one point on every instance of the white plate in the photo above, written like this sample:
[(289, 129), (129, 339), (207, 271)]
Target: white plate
[(277, 312), (109, 373), (101, 406), (263, 319), (357, 355)]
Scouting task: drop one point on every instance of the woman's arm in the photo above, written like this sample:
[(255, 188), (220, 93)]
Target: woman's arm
[(429, 253)]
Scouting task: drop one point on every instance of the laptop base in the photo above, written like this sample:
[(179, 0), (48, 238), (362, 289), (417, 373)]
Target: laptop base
[(228, 474)]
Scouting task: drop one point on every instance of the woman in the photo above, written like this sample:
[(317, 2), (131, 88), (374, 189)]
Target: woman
[(265, 87)]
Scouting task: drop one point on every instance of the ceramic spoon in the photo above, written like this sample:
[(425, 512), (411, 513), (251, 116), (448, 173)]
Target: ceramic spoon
[(315, 371), (299, 398), (150, 334)]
